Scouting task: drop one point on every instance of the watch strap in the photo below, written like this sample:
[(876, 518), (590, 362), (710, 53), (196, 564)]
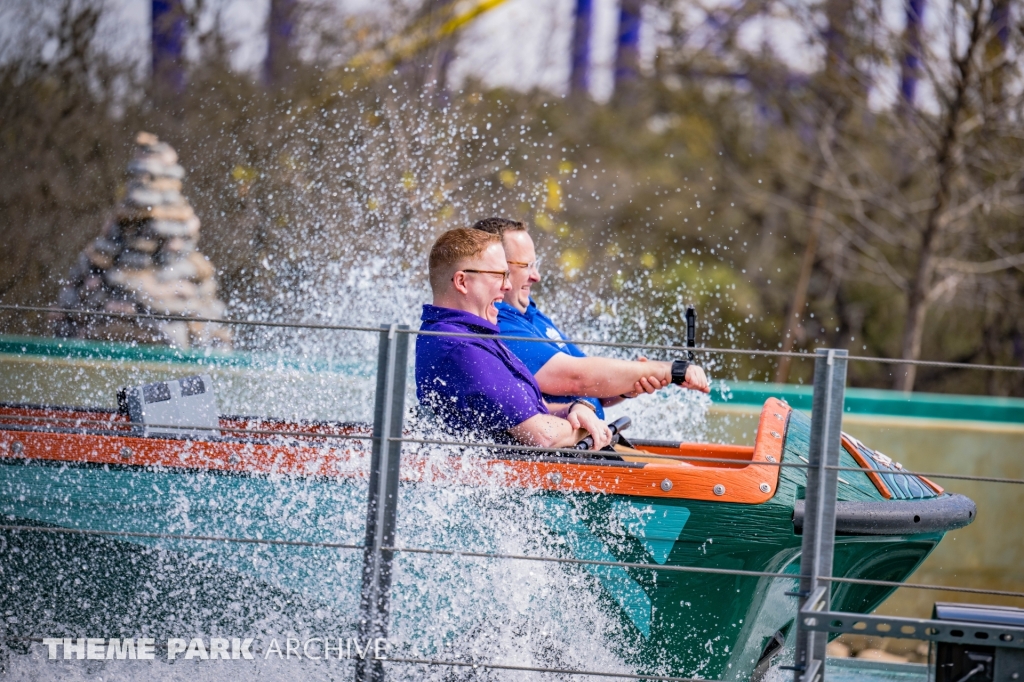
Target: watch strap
[(679, 368)]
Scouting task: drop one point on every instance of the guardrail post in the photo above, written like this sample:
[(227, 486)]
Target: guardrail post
[(820, 508), (382, 497)]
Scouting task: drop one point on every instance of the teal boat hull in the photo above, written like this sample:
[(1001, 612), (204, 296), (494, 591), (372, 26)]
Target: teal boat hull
[(715, 626)]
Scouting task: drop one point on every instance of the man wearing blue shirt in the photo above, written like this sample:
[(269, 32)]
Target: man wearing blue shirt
[(477, 384), (561, 369)]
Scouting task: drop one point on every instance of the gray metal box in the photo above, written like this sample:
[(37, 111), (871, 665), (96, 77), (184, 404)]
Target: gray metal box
[(986, 660), (182, 408)]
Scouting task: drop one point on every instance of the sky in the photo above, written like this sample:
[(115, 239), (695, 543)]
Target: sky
[(521, 43)]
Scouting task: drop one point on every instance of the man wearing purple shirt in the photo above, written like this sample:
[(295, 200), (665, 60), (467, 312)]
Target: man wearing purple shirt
[(477, 384)]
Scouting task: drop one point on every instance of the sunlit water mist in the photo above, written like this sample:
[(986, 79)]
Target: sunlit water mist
[(510, 611), (670, 414), (461, 608)]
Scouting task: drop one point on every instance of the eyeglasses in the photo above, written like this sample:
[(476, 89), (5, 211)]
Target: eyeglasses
[(504, 274), (535, 265)]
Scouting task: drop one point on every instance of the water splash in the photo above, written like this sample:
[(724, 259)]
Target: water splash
[(350, 200)]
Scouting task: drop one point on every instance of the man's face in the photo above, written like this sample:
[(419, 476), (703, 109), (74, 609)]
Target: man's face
[(522, 266), (484, 289)]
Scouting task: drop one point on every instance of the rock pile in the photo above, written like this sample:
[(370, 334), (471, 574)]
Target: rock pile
[(146, 261)]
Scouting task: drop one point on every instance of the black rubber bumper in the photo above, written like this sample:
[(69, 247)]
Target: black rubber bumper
[(897, 517)]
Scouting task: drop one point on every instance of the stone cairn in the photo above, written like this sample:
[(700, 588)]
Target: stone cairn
[(146, 261)]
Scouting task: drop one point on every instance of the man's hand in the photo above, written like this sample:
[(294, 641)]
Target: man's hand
[(582, 417), (696, 379), (552, 431), (645, 384)]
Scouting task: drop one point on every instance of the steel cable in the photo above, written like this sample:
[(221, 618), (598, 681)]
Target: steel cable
[(529, 339), (705, 349), (539, 669), (175, 536), (704, 569), (528, 449), (186, 318), (493, 555), (795, 465), (128, 427)]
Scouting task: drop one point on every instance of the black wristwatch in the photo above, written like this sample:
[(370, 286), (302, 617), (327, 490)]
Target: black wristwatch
[(679, 368)]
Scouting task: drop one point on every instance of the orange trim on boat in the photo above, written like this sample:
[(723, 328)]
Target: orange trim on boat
[(741, 482), (870, 470), (934, 486), (873, 473)]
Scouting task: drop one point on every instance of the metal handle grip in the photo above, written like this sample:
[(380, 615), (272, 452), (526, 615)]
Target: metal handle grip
[(616, 427), (691, 329)]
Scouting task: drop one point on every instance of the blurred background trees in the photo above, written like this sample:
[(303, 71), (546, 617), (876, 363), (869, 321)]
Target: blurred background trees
[(868, 198)]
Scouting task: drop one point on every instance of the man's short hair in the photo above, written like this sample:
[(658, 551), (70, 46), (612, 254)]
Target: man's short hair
[(453, 247), (499, 226)]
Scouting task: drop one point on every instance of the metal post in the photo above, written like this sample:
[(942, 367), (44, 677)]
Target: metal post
[(820, 510), (382, 497)]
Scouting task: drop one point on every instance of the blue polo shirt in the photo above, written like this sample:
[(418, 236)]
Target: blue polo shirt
[(473, 384), (535, 324)]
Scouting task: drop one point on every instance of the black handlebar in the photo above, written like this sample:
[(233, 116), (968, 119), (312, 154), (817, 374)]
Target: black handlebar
[(691, 329), (616, 427)]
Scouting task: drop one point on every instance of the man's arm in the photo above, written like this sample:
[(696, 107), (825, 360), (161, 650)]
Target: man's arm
[(597, 377), (551, 431), (645, 385)]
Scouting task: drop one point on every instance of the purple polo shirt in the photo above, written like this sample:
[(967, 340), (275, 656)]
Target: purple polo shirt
[(474, 384)]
